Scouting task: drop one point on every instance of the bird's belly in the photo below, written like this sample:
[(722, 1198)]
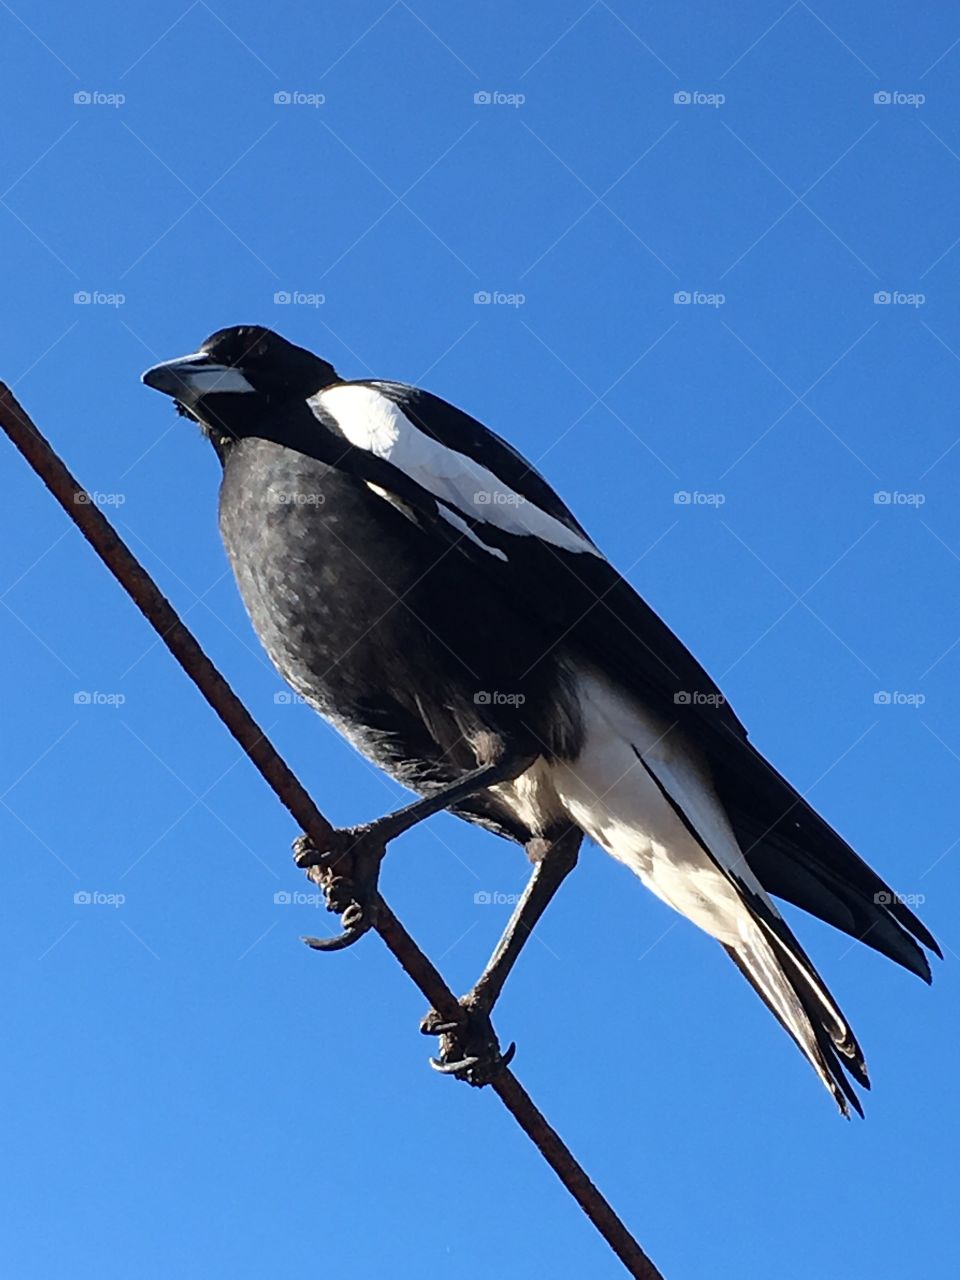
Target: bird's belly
[(532, 798), (374, 624)]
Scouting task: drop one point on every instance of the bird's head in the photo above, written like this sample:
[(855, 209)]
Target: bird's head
[(236, 376)]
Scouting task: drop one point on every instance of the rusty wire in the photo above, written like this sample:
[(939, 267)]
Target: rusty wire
[(145, 593)]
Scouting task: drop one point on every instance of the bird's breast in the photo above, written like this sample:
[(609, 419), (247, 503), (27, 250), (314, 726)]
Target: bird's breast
[(413, 654)]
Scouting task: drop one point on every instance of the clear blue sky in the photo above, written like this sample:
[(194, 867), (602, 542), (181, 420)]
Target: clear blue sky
[(186, 1089)]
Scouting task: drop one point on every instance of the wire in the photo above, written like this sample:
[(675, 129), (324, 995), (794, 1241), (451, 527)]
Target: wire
[(182, 644)]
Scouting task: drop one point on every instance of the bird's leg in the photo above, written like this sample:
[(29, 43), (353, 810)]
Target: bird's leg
[(469, 1048), (347, 869)]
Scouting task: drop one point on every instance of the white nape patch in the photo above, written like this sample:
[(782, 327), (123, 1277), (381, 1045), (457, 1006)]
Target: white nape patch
[(370, 420)]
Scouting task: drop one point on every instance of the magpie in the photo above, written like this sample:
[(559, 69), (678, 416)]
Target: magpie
[(420, 584)]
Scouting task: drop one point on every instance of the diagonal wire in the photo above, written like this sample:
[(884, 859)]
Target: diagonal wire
[(286, 786)]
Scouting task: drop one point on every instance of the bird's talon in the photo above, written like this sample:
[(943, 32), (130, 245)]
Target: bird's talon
[(469, 1049), (451, 1068), (432, 1023), (352, 916), (428, 1028), (339, 942), (307, 855), (341, 841), (346, 870), (305, 852)]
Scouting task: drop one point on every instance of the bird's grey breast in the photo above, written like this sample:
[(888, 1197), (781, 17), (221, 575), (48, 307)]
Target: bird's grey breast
[(301, 536), (365, 615)]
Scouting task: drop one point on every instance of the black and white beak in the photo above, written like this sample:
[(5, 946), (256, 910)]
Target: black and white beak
[(189, 377)]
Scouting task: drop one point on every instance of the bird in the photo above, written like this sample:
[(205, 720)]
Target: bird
[(418, 582)]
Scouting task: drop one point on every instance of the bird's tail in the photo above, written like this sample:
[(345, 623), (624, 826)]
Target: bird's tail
[(766, 951), (796, 855), (795, 994), (645, 796)]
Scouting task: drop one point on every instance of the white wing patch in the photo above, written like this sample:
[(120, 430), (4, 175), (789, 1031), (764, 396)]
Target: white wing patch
[(372, 421), (462, 527), (450, 516)]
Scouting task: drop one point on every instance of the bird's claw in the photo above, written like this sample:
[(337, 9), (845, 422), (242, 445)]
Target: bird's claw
[(340, 844), (347, 872), (475, 1070), (469, 1048)]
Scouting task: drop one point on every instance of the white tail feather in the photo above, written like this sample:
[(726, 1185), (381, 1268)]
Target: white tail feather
[(639, 789)]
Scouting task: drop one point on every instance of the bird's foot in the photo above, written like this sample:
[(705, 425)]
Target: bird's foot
[(469, 1048), (347, 871)]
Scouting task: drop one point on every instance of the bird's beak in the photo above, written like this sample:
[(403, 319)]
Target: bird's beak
[(189, 377)]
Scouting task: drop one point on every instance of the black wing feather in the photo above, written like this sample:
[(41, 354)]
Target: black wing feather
[(585, 604)]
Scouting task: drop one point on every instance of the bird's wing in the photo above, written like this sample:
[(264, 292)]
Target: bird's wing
[(467, 486), (513, 525)]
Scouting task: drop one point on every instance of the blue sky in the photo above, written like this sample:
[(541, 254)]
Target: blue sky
[(187, 1089)]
